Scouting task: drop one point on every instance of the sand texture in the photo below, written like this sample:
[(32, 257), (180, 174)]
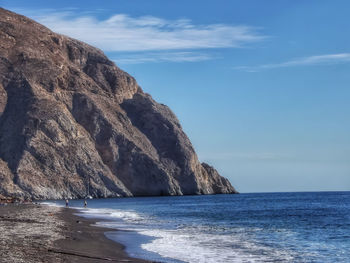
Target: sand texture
[(39, 233)]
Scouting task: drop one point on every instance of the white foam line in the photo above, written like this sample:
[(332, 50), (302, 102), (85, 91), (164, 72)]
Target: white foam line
[(197, 246), (51, 204)]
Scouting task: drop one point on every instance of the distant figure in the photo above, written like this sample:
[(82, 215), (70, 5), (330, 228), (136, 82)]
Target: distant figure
[(67, 202), (85, 203)]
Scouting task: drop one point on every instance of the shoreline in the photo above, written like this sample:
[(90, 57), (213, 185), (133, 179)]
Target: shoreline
[(42, 233), (87, 240)]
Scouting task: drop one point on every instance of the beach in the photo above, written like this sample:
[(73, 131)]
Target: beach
[(260, 227), (41, 233)]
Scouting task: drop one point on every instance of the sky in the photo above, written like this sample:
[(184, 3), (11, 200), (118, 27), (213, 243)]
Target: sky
[(260, 87)]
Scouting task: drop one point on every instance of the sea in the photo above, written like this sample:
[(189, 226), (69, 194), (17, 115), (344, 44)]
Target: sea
[(256, 227)]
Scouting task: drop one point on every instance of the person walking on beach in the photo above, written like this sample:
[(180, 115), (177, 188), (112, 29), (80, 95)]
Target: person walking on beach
[(85, 203), (67, 202)]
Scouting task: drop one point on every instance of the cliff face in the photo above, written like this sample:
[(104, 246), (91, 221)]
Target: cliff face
[(70, 118)]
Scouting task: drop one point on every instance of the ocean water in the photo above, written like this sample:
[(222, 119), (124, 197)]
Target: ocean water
[(264, 227)]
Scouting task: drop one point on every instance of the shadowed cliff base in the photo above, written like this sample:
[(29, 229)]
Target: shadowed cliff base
[(72, 124)]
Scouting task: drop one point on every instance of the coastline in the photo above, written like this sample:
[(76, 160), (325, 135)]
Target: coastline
[(41, 233)]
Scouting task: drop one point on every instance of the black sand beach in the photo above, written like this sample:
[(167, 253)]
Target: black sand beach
[(39, 233)]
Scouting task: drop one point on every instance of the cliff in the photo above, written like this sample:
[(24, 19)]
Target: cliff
[(70, 120)]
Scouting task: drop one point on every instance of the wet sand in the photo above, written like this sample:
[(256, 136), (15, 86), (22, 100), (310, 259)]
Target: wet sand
[(39, 233)]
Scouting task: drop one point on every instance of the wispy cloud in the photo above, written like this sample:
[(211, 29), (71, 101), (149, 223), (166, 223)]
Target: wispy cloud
[(161, 57), (122, 32), (327, 59)]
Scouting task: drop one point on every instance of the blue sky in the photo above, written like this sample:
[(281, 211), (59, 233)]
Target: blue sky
[(260, 87)]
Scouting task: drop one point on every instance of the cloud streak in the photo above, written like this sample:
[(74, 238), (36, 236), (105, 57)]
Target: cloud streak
[(124, 33), (162, 57), (328, 59)]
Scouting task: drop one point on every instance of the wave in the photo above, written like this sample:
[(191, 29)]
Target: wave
[(51, 204), (111, 213), (195, 245), (185, 243)]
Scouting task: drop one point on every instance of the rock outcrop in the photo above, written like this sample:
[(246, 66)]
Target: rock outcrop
[(73, 123)]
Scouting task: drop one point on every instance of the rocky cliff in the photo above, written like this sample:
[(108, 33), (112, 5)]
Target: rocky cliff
[(71, 122)]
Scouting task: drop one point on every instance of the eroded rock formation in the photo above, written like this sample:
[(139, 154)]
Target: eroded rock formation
[(71, 122)]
